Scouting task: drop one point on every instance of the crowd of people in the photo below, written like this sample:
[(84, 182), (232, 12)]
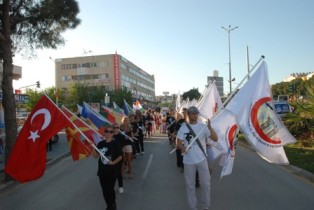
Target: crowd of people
[(121, 145), (124, 142)]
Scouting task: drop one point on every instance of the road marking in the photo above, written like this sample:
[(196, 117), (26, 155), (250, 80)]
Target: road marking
[(148, 166)]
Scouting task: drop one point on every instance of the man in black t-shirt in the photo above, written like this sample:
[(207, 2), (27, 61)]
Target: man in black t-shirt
[(170, 120)]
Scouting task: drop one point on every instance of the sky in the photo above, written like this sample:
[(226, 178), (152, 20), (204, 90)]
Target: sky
[(181, 42)]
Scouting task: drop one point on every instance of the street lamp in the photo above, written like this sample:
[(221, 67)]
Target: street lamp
[(56, 89), (85, 53), (229, 30)]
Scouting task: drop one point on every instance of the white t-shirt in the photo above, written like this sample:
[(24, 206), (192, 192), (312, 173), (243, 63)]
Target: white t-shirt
[(194, 154)]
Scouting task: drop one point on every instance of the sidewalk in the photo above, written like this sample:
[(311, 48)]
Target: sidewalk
[(59, 150)]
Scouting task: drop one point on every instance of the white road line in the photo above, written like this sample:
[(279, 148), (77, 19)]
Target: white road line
[(148, 166)]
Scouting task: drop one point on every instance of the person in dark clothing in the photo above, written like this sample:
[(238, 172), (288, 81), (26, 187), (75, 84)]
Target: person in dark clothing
[(49, 145), (148, 124), (120, 139), (170, 120), (139, 118), (108, 167), (134, 127), (179, 121)]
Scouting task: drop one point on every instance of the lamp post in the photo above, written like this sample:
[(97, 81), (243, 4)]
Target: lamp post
[(56, 89), (85, 53), (229, 30)]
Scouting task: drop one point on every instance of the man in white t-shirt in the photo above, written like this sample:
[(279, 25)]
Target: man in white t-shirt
[(194, 158)]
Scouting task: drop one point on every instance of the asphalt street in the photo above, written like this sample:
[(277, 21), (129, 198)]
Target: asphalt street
[(159, 185)]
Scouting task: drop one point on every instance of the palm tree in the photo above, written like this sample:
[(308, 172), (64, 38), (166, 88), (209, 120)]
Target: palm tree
[(301, 121)]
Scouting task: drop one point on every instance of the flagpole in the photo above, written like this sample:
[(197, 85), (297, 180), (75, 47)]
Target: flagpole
[(247, 75), (248, 61)]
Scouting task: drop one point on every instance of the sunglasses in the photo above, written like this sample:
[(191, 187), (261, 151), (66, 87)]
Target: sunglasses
[(109, 131), (116, 127)]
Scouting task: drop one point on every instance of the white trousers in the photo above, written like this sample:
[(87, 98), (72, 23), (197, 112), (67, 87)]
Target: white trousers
[(204, 177)]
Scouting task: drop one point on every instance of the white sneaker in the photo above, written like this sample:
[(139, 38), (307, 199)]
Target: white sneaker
[(120, 189)]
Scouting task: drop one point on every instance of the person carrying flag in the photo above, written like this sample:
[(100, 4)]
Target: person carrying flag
[(108, 168), (120, 139), (195, 159)]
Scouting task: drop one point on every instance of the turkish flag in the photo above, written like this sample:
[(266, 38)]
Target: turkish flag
[(27, 160)]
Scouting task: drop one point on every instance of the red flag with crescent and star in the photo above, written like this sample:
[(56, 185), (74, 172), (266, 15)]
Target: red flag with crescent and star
[(27, 160)]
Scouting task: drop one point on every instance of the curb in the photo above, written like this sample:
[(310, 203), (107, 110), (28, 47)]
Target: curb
[(294, 169)]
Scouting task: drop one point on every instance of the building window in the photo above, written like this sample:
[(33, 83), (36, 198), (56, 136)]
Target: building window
[(66, 78), (68, 66), (104, 76)]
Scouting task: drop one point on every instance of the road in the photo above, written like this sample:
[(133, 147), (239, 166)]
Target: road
[(159, 185)]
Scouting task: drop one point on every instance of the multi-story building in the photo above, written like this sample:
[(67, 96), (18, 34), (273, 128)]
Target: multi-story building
[(303, 76), (112, 71), (218, 80)]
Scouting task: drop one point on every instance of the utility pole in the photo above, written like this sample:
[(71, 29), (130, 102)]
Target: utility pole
[(229, 30)]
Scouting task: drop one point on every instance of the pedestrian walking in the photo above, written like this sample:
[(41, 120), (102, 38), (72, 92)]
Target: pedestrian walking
[(108, 170), (139, 118), (120, 139), (128, 155), (49, 145), (195, 159)]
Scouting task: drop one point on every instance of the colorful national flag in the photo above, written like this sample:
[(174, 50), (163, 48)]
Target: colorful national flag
[(27, 160), (138, 106), (116, 116), (108, 114), (127, 109), (98, 120), (254, 110), (118, 109)]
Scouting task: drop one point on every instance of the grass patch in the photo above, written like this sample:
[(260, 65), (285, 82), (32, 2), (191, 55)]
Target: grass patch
[(302, 157)]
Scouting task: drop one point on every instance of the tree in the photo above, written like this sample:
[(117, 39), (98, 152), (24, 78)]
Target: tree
[(79, 93), (27, 25), (119, 95), (293, 89), (301, 121), (193, 93)]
